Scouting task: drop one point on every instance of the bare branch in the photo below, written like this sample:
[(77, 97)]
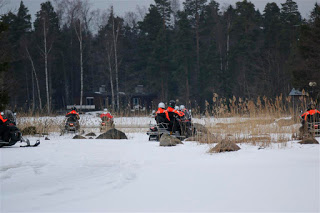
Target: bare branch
[(142, 11), (3, 3)]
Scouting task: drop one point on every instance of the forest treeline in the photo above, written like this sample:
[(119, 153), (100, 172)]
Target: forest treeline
[(186, 52)]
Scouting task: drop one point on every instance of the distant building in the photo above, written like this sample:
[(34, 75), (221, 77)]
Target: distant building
[(296, 99), (137, 100)]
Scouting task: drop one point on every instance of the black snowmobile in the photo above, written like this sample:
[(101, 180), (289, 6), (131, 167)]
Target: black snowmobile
[(14, 133), (156, 130), (310, 127), (72, 123)]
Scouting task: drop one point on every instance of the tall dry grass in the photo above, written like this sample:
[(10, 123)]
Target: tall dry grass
[(257, 121)]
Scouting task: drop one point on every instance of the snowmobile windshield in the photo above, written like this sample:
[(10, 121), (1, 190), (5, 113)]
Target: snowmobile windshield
[(72, 118), (9, 115)]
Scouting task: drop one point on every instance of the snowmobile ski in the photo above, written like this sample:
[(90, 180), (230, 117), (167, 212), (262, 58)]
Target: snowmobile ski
[(28, 143)]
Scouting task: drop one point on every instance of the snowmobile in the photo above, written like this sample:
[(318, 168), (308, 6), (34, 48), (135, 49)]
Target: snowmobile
[(314, 129), (310, 127), (72, 124), (156, 130), (15, 134), (187, 129)]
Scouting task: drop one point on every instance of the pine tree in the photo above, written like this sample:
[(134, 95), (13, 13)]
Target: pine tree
[(305, 65), (195, 9), (155, 45), (4, 65), (183, 56), (245, 36)]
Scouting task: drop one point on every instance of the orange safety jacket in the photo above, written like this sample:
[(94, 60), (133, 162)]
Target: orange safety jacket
[(108, 115), (310, 112), (2, 119), (170, 109), (73, 112), (181, 114), (160, 111)]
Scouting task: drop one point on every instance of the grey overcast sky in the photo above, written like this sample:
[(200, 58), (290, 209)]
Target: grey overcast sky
[(123, 6)]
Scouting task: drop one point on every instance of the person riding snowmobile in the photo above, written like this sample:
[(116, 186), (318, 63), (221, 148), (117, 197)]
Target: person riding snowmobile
[(311, 114), (106, 120), (72, 113), (162, 115), (72, 122), (106, 116), (180, 113), (186, 112), (173, 115)]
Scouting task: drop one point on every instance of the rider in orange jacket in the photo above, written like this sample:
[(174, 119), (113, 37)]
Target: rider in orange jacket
[(106, 116), (162, 115), (73, 112), (311, 112), (173, 115)]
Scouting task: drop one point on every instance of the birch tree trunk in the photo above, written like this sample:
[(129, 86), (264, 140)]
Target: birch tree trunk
[(28, 94), (46, 64), (228, 44), (36, 78), (80, 39), (197, 73), (115, 40), (111, 79), (33, 95)]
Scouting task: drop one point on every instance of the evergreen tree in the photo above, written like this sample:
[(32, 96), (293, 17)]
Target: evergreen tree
[(245, 31), (291, 19), (155, 44), (183, 56), (212, 51), (4, 65), (305, 64), (18, 32), (195, 9)]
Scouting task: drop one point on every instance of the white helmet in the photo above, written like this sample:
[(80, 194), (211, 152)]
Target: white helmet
[(161, 105), (176, 107), (182, 107)]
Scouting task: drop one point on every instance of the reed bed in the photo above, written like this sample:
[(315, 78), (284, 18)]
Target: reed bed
[(259, 121)]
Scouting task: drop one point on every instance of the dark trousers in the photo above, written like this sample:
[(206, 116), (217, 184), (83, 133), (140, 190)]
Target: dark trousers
[(4, 133)]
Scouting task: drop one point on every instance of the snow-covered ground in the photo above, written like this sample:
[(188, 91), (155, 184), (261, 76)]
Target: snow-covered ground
[(64, 175)]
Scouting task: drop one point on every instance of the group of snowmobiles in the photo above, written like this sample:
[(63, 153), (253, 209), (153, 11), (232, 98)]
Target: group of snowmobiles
[(176, 121), (72, 122), (11, 134)]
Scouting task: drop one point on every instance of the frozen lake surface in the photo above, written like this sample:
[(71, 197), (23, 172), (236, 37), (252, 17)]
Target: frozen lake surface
[(64, 175)]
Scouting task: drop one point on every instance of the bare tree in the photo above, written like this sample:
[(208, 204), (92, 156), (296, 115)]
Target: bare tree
[(3, 3), (131, 19), (81, 26), (175, 7), (78, 30), (115, 36), (45, 53), (109, 55), (142, 11), (36, 77)]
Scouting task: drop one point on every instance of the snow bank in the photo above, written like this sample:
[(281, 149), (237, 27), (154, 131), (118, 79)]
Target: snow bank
[(63, 175)]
